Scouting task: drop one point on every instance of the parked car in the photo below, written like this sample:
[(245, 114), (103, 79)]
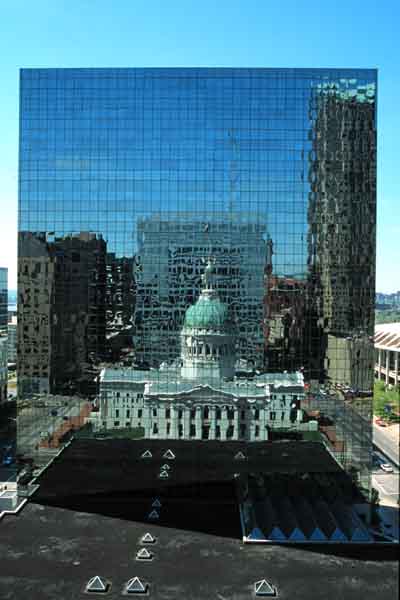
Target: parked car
[(387, 468), (381, 423)]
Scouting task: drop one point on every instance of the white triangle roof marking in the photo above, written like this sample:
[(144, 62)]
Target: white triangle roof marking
[(148, 538), (96, 584), (143, 553), (135, 586), (168, 454), (263, 588)]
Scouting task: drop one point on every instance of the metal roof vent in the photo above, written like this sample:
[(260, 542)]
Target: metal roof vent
[(97, 585), (263, 588), (147, 454), (169, 454), (135, 586), (147, 538), (144, 554)]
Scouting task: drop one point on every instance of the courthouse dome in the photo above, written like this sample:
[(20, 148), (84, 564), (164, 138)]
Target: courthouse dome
[(207, 313)]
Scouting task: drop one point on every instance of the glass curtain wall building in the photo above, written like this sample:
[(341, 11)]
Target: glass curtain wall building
[(3, 332), (196, 255)]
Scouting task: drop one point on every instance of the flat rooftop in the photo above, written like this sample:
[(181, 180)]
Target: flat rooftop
[(48, 552), (102, 466)]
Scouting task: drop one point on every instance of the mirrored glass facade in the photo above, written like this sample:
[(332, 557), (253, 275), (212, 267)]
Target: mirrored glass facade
[(197, 258)]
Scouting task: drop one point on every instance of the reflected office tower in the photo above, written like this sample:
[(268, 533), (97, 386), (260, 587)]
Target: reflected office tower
[(120, 307), (61, 336), (342, 226), (173, 250)]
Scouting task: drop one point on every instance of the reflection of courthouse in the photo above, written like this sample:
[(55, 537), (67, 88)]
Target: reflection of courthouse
[(200, 396), (342, 227), (172, 249)]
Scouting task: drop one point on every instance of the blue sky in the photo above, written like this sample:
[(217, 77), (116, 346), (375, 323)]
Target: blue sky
[(239, 33)]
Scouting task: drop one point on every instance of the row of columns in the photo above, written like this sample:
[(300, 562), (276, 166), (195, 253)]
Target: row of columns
[(384, 357), (161, 421)]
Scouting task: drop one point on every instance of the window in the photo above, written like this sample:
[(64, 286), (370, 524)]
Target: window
[(139, 413), (180, 413), (154, 412), (128, 414), (192, 431), (206, 412), (167, 413), (257, 431), (242, 414), (218, 413), (116, 423), (117, 412), (168, 428), (155, 428), (256, 414), (283, 416), (272, 416)]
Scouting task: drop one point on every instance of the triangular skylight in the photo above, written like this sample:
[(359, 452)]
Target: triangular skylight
[(297, 535), (256, 534), (97, 584), (135, 586), (263, 588), (153, 515), (169, 454), (317, 535), (165, 467), (144, 554), (163, 475), (148, 539), (156, 503), (239, 455), (147, 454), (277, 534)]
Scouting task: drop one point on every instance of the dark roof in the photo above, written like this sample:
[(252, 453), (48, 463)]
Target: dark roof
[(103, 465), (49, 553)]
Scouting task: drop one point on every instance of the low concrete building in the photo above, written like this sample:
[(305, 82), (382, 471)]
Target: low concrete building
[(387, 350), (201, 395)]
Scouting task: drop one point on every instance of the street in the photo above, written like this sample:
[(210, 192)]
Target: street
[(384, 441)]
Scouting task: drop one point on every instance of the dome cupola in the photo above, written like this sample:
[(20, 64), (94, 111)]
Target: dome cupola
[(207, 340)]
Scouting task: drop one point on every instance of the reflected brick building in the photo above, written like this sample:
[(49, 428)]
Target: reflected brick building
[(62, 283)]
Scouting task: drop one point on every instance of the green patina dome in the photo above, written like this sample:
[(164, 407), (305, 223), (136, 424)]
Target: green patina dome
[(207, 313)]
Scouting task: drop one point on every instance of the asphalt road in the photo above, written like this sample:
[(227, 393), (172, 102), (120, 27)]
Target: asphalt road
[(33, 423), (386, 444)]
